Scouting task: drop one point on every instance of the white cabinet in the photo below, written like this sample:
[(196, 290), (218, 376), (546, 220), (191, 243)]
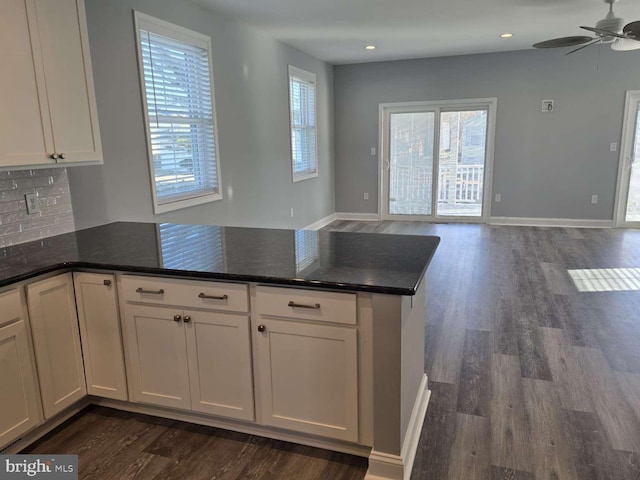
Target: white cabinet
[(99, 319), (307, 372), (56, 340), (184, 358), (157, 349), (220, 364), (19, 398), (48, 112)]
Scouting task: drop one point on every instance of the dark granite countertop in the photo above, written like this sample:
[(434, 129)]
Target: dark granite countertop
[(382, 263)]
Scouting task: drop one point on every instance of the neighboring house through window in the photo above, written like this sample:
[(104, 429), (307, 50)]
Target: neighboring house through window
[(177, 90), (302, 114)]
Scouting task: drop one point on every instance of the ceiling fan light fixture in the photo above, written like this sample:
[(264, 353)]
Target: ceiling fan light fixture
[(611, 24), (625, 45)]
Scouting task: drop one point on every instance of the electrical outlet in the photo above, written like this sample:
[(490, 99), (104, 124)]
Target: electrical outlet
[(373, 151), (498, 197), (366, 195), (613, 147), (594, 198), (291, 212), (33, 205)]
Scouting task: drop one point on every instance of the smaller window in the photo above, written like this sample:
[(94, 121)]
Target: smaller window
[(302, 114), (177, 91)]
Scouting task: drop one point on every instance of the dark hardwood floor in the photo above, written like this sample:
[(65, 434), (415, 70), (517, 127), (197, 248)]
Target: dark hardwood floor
[(530, 378)]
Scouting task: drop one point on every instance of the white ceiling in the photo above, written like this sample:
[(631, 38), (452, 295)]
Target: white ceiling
[(336, 31)]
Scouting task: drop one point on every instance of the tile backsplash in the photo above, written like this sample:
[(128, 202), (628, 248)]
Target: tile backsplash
[(55, 216)]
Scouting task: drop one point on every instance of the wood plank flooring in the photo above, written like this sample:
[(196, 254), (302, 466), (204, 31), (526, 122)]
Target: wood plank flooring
[(530, 379)]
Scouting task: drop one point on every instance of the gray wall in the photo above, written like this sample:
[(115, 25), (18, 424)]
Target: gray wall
[(546, 165), (251, 90)]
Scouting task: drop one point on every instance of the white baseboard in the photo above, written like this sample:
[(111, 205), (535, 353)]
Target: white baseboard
[(385, 466), (365, 217), (412, 437), (551, 222), (323, 222)]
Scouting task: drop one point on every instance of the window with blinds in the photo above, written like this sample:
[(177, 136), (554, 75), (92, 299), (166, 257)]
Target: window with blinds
[(177, 89), (302, 113)]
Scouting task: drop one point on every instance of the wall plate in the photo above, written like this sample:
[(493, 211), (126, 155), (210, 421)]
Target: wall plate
[(33, 204)]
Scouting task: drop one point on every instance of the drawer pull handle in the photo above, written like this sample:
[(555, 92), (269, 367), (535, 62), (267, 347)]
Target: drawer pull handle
[(213, 297), (151, 292), (107, 283), (301, 305), (177, 318)]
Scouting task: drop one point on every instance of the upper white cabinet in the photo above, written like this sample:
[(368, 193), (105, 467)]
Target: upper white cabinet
[(56, 340), (99, 320), (48, 113), (19, 397)]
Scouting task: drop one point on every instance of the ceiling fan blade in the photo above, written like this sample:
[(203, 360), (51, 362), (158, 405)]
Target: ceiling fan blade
[(625, 44), (563, 42), (604, 33), (632, 30), (597, 40)]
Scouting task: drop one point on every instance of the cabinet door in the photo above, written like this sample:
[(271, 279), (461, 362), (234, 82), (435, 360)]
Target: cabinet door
[(62, 29), (46, 89), (25, 129), (56, 339), (100, 335), (220, 364), (19, 400), (308, 378), (157, 356)]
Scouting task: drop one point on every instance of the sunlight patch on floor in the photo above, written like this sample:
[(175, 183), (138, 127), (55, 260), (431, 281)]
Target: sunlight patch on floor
[(606, 279)]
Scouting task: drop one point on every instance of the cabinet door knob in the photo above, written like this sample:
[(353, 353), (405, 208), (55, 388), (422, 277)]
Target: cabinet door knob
[(177, 318), (187, 319), (54, 156), (62, 157), (107, 283), (261, 328)]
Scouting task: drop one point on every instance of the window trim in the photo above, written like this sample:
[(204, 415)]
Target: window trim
[(184, 35), (310, 77)]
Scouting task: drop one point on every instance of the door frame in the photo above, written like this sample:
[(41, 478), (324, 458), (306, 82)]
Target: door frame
[(384, 109), (626, 149)]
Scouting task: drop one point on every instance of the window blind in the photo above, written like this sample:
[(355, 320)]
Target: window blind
[(180, 115), (302, 103)]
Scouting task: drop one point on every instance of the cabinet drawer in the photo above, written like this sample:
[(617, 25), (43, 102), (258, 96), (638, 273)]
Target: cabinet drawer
[(10, 306), (186, 293), (307, 304)]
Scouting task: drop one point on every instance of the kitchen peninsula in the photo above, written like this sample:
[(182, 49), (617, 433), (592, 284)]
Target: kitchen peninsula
[(311, 337)]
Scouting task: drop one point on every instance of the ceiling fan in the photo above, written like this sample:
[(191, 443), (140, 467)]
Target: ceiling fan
[(609, 30)]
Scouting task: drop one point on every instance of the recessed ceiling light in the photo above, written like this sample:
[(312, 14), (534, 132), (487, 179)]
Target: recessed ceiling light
[(506, 35), (370, 47)]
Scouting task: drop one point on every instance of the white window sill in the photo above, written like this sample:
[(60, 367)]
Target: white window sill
[(189, 202), (304, 176)]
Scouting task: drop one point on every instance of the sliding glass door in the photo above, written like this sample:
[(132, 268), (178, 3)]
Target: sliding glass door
[(435, 160), (411, 137), (628, 211)]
